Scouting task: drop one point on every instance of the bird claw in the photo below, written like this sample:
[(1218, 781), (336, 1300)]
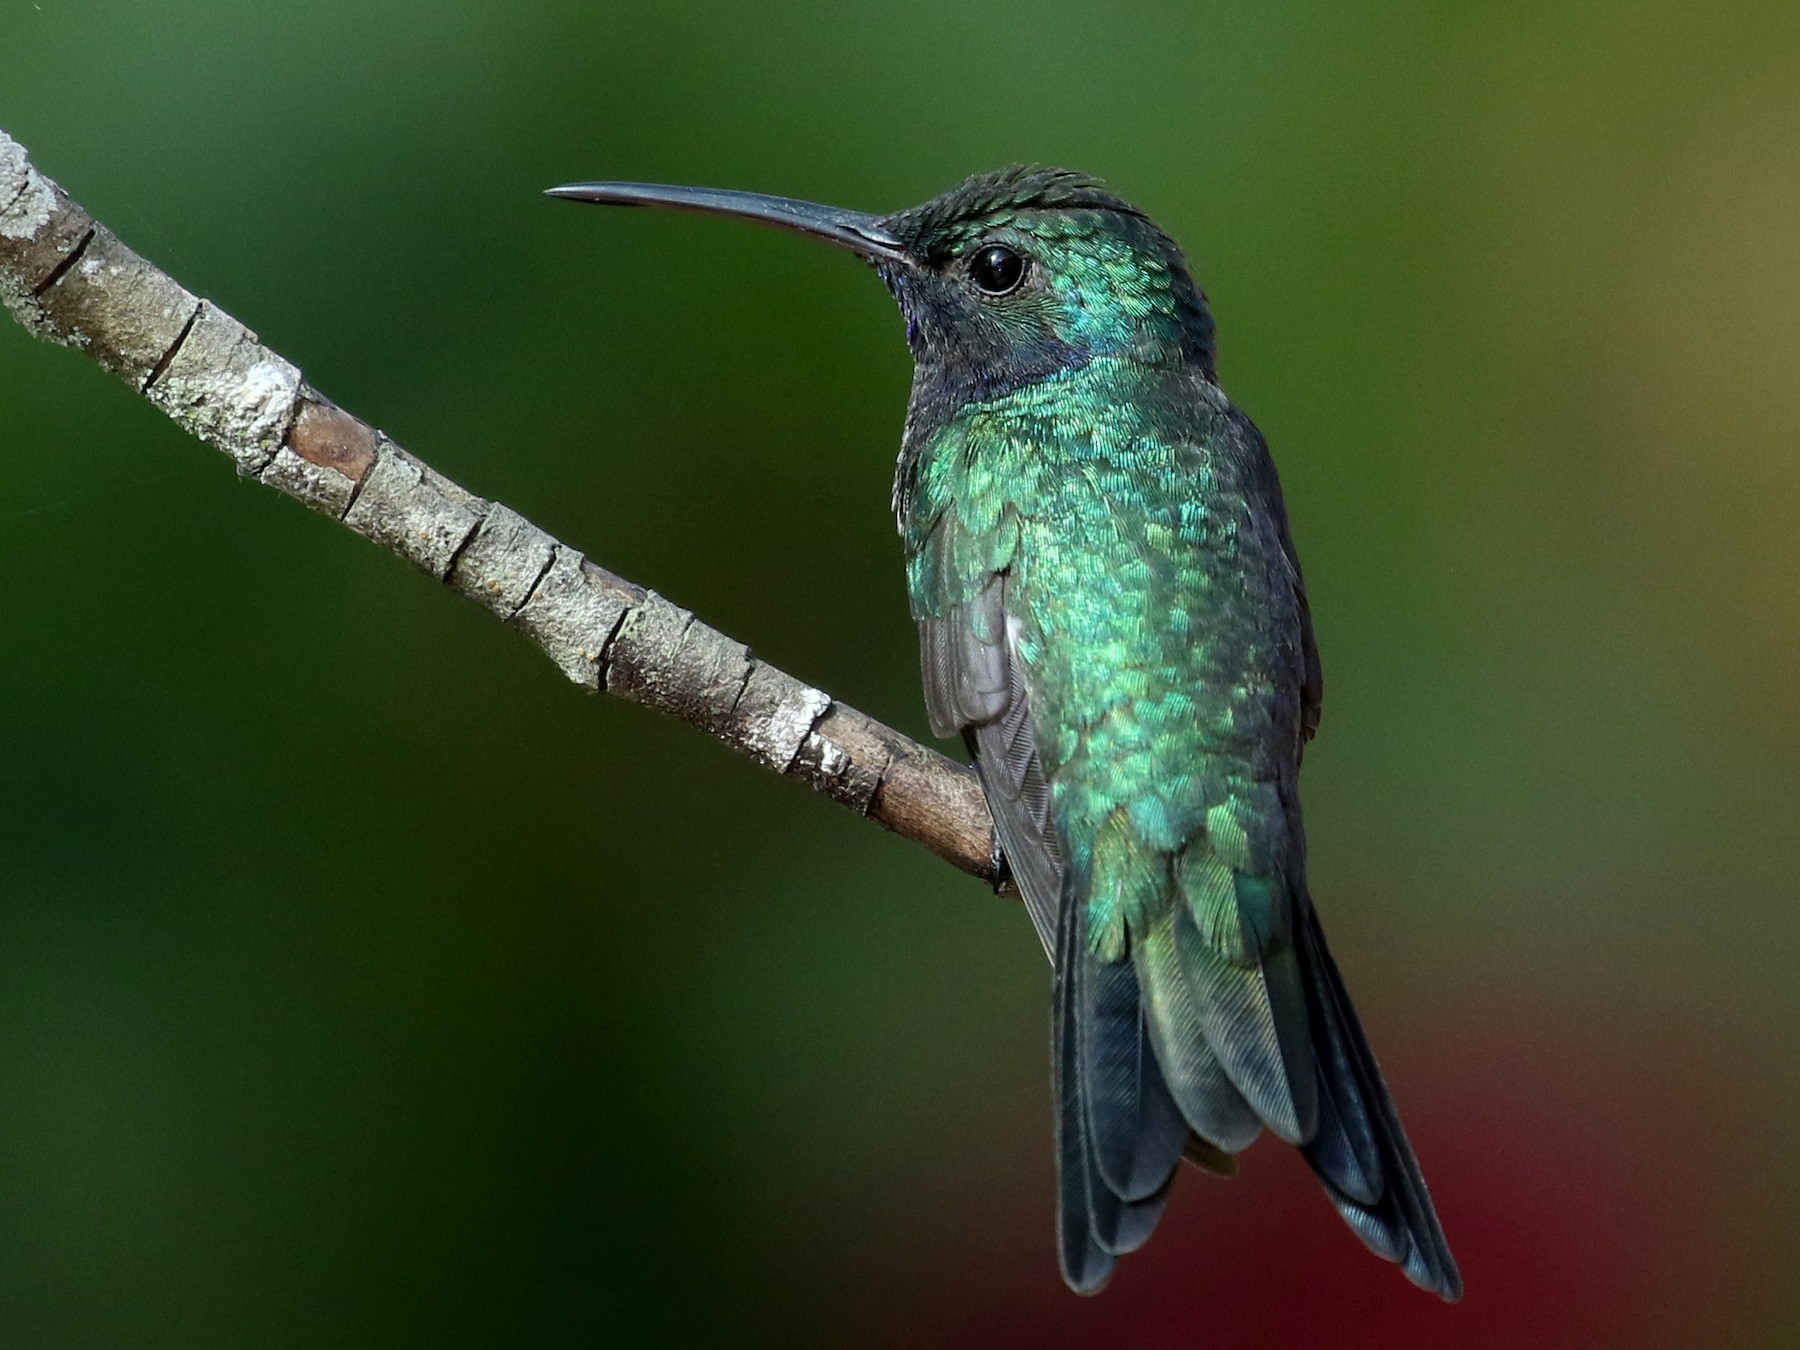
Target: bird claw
[(1000, 873)]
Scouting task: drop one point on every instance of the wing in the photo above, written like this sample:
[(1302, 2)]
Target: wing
[(975, 687)]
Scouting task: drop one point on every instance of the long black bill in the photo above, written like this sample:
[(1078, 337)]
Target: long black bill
[(855, 230)]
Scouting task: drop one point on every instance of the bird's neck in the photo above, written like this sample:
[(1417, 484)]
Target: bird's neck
[(948, 409)]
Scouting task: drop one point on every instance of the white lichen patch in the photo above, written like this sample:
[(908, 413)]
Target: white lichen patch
[(832, 758), (17, 302), (228, 389), (236, 415), (262, 402), (26, 200), (775, 739)]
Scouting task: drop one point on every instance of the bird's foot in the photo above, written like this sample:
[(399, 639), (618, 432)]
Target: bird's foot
[(999, 870)]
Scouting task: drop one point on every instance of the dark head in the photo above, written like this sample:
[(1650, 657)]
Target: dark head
[(1005, 280)]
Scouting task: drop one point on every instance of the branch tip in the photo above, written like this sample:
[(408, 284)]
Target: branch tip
[(213, 376)]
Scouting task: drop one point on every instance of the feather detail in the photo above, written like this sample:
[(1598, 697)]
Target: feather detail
[(1213, 1108), (1361, 1152), (1086, 1264), (1136, 1130), (1120, 1136), (1253, 1019)]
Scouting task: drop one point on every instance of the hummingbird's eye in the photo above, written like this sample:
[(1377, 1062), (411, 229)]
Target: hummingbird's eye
[(997, 269)]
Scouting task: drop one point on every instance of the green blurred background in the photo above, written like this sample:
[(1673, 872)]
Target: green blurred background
[(362, 985)]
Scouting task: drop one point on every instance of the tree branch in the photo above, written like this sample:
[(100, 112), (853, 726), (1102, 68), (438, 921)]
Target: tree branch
[(67, 279)]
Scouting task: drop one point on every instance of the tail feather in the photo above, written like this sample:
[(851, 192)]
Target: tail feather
[(1129, 1223), (1360, 1150), (1135, 1071), (1137, 1130), (1086, 1265), (1253, 1016), (1212, 1106), (1338, 1152), (1120, 1136)]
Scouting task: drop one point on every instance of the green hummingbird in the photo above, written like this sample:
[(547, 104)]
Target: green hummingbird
[(1112, 617)]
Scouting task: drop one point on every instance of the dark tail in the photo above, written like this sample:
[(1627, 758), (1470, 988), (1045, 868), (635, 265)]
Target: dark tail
[(1120, 1130), (1359, 1150), (1119, 1135)]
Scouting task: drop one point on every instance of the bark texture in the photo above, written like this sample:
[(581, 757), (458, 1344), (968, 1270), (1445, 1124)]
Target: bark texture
[(68, 279)]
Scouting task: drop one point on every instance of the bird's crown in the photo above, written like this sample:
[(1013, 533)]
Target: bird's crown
[(988, 199)]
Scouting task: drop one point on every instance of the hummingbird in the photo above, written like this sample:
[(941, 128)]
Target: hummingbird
[(1112, 617)]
